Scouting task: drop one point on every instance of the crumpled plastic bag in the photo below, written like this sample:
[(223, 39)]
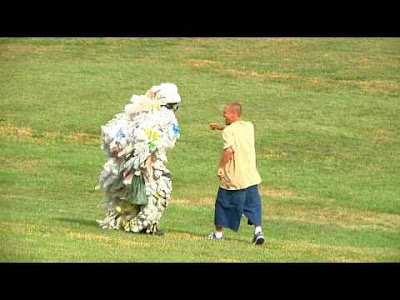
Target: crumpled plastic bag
[(138, 186), (135, 178)]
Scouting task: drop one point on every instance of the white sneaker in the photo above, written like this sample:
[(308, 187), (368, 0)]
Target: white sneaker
[(258, 238), (212, 236)]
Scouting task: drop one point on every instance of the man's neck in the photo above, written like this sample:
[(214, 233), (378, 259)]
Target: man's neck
[(237, 120)]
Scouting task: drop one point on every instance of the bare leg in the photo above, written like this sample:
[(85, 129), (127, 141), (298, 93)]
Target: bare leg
[(218, 228)]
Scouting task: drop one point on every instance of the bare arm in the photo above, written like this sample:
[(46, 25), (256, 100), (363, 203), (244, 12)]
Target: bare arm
[(216, 126)]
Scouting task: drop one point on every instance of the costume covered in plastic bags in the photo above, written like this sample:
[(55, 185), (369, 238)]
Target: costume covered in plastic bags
[(136, 181)]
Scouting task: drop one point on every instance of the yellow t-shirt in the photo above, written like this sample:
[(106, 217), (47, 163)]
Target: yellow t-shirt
[(241, 171)]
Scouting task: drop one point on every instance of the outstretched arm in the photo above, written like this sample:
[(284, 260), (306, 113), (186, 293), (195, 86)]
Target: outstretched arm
[(216, 126)]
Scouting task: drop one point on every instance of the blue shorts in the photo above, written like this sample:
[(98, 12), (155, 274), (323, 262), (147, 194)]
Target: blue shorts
[(232, 204)]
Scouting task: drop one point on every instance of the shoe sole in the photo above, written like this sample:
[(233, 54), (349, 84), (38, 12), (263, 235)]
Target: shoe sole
[(260, 240), (221, 239)]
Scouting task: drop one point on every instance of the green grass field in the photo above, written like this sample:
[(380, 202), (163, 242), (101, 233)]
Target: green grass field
[(326, 114)]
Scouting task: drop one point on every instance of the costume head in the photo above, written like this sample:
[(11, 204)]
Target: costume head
[(167, 94)]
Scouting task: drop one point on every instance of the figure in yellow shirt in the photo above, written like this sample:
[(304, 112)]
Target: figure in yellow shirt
[(238, 193)]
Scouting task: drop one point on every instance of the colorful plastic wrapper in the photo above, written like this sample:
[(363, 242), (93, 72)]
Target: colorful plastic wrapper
[(137, 184)]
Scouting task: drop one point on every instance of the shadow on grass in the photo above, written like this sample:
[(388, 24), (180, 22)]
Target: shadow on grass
[(89, 223), (166, 231), (203, 236)]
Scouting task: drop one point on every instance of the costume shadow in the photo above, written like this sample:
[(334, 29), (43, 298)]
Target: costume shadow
[(94, 224), (88, 223)]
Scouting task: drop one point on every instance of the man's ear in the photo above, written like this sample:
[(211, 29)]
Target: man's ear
[(229, 150)]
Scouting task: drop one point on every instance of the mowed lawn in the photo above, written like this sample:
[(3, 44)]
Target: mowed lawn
[(326, 115)]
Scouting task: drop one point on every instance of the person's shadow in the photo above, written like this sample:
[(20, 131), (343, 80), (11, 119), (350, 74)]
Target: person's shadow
[(202, 236)]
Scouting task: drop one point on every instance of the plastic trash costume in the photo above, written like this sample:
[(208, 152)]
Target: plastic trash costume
[(136, 181)]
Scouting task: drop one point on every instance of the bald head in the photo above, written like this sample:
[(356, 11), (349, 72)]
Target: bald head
[(235, 108), (232, 112)]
